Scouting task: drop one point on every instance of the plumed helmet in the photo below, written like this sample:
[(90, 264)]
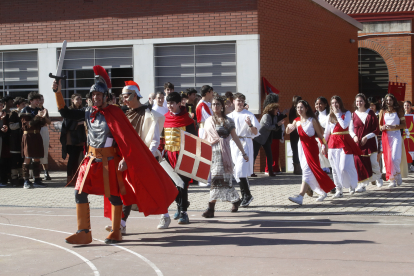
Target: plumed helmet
[(102, 80), (131, 88)]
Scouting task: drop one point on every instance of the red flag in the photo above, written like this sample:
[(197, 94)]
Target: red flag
[(268, 88), (397, 89)]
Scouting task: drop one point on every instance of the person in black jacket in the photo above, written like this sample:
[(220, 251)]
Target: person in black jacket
[(73, 138)]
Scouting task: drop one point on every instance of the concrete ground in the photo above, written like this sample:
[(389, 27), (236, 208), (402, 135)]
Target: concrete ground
[(364, 234)]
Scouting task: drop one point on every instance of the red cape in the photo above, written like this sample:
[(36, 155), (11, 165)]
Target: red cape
[(146, 182), (199, 113), (181, 120), (311, 151)]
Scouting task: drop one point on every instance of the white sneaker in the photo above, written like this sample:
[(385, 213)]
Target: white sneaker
[(338, 194), (399, 180), (122, 228), (360, 189), (392, 184), (380, 182), (200, 184), (266, 173), (351, 191), (298, 199), (164, 222), (321, 198)]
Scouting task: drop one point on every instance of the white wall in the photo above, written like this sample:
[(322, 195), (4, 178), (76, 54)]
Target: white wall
[(248, 63)]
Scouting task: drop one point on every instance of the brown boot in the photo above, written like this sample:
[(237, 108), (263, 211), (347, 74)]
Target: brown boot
[(235, 206), (209, 213), (84, 234), (115, 236)]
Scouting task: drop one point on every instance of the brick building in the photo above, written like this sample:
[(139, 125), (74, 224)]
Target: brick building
[(385, 43), (302, 47)]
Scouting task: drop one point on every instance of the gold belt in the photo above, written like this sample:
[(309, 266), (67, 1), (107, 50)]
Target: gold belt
[(340, 133), (104, 154), (201, 125), (31, 131)]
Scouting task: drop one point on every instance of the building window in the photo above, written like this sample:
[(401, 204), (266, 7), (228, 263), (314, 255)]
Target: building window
[(194, 65), (78, 66), (373, 73), (18, 73)]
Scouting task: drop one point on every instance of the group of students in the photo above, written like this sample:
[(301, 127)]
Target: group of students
[(24, 141), (350, 143)]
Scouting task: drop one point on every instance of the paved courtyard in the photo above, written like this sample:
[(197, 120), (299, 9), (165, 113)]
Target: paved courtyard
[(270, 195)]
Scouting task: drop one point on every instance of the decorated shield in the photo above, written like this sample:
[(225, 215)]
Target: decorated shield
[(194, 160), (409, 137)]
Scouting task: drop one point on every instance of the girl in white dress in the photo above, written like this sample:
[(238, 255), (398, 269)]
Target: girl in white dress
[(391, 120), (322, 112), (313, 176), (342, 148)]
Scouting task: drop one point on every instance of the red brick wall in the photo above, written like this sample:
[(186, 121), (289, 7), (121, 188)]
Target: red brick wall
[(397, 53), (31, 21), (305, 50), (56, 163)]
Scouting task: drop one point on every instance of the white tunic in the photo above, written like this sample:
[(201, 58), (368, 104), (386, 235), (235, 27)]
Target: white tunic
[(322, 118), (204, 117), (307, 175), (160, 109), (243, 131), (343, 165), (395, 143)]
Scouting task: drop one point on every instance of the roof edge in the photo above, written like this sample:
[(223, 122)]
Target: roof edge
[(338, 13)]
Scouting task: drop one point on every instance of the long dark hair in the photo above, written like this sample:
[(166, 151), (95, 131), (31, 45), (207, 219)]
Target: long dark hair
[(221, 100), (362, 96), (292, 112), (332, 117), (325, 101), (395, 106), (309, 112), (72, 105), (372, 100)]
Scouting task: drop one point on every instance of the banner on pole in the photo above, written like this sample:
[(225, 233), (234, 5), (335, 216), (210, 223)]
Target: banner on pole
[(268, 88), (397, 89)]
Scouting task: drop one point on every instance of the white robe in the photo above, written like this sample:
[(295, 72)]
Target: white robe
[(395, 143), (204, 117), (343, 165), (307, 175), (241, 167), (322, 118), (160, 109)]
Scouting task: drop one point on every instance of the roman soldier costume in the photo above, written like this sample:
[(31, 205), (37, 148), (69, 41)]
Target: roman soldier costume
[(111, 138), (173, 125), (15, 126)]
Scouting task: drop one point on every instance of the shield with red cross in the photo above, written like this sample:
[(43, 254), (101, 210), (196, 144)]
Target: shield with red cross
[(194, 160), (409, 137)]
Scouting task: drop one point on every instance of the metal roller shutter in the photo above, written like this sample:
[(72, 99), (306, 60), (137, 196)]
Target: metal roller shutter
[(194, 65), (18, 73), (78, 65)]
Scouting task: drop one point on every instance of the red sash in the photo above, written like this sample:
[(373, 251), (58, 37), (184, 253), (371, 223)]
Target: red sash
[(199, 113), (311, 150), (386, 150), (338, 141)]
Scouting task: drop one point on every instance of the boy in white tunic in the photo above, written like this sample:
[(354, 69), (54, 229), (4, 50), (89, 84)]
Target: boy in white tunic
[(247, 127)]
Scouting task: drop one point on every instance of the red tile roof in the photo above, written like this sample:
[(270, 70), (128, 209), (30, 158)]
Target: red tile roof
[(372, 6)]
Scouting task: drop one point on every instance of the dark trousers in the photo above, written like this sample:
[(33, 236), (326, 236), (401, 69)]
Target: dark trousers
[(74, 153), (5, 169), (126, 210), (182, 197), (294, 139), (268, 150), (83, 198), (16, 161)]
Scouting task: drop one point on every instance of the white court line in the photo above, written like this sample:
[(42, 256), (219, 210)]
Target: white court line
[(226, 219), (89, 263), (148, 262)]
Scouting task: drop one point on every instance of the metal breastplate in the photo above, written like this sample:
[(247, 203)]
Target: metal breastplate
[(98, 131), (173, 138)]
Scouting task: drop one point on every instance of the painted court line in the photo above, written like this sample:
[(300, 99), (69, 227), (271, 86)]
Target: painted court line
[(148, 262), (89, 263)]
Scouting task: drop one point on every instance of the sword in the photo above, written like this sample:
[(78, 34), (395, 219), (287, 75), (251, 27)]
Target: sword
[(58, 75)]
